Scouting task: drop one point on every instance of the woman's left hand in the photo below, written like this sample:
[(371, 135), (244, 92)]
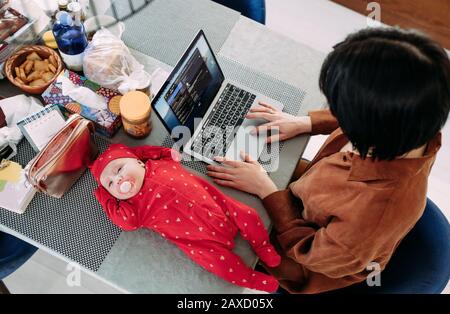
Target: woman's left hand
[(248, 176)]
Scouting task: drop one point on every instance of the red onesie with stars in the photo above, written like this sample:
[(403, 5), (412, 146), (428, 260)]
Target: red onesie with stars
[(191, 213)]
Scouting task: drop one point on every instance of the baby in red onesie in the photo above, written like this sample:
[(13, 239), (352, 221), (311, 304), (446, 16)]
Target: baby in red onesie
[(146, 187)]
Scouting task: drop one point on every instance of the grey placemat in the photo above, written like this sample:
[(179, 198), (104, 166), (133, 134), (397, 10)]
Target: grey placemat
[(74, 226), (291, 97), (163, 29)]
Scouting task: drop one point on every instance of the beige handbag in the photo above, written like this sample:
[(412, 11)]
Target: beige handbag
[(64, 159)]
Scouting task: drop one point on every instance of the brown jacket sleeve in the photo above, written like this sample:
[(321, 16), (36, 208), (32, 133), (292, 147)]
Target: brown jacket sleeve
[(321, 262), (323, 122), (2, 118)]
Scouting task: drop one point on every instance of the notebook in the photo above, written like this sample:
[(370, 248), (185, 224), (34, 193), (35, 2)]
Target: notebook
[(40, 127), (15, 196)]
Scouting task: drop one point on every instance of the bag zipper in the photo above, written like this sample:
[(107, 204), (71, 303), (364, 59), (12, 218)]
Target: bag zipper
[(53, 160), (75, 134), (36, 178), (32, 178)]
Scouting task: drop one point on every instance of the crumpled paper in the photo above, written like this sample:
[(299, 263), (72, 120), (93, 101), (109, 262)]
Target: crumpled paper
[(15, 109)]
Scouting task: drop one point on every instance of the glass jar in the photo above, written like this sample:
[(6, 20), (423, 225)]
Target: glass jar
[(135, 110), (146, 90), (145, 84), (62, 5), (76, 10)]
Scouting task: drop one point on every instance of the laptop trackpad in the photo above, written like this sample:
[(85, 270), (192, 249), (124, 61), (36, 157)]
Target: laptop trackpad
[(253, 145), (250, 144)]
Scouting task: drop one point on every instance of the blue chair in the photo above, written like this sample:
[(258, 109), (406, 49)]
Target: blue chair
[(13, 254), (253, 9), (421, 263)]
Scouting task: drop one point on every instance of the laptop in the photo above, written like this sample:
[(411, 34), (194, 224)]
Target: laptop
[(205, 111)]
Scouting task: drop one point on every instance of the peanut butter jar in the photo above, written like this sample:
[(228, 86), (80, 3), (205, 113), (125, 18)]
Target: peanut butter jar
[(135, 110)]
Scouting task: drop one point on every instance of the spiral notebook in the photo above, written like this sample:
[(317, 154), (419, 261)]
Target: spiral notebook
[(41, 126)]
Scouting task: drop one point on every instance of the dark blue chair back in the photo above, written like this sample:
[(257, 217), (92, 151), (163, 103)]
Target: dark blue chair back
[(421, 263), (13, 254), (253, 9)]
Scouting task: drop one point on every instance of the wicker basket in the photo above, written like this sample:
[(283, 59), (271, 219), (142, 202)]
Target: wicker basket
[(19, 57)]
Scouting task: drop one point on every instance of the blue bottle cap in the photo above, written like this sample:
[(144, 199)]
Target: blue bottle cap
[(64, 18)]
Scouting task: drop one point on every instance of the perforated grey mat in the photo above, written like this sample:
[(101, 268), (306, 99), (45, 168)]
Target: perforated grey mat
[(290, 96), (74, 226), (163, 29)]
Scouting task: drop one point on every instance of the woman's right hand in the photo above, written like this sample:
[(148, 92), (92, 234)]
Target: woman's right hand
[(288, 125)]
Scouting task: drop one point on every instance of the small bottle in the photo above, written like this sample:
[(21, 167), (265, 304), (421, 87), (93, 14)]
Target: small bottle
[(62, 5), (71, 39), (74, 8), (135, 110)]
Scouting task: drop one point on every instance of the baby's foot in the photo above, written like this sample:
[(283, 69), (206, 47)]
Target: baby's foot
[(268, 255)]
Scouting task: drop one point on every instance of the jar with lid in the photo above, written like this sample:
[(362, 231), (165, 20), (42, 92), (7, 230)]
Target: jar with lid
[(75, 9), (62, 5), (135, 110), (141, 82)]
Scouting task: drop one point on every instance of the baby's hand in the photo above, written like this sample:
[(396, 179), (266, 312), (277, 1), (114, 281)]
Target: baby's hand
[(176, 156)]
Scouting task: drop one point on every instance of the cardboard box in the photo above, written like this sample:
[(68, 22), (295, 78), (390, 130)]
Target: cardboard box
[(106, 123)]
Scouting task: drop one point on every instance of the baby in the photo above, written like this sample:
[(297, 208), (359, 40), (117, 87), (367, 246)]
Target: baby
[(146, 187)]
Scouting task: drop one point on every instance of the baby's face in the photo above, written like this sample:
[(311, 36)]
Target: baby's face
[(123, 177)]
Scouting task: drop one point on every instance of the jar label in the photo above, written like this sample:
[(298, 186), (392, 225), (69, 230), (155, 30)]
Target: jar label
[(137, 130), (73, 62)]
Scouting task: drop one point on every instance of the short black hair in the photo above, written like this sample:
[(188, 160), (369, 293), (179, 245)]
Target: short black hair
[(388, 89)]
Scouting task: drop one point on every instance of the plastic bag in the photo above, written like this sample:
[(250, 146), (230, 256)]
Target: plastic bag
[(15, 109), (108, 62)]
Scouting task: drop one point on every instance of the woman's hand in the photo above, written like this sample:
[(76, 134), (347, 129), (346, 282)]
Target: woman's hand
[(288, 125), (248, 176)]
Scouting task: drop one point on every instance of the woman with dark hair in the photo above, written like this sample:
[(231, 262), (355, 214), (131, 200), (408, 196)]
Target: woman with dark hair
[(388, 92)]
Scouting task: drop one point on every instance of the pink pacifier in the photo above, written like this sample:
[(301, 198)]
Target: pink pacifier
[(125, 186)]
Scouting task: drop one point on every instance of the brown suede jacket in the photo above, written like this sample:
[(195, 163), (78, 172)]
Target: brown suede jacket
[(345, 212)]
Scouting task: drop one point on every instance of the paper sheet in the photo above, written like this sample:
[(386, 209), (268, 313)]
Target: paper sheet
[(2, 185), (11, 173)]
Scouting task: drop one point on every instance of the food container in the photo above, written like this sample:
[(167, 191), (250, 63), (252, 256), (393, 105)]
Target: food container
[(135, 111)]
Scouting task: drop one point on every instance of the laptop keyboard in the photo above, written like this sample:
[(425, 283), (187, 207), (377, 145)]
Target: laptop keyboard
[(227, 115)]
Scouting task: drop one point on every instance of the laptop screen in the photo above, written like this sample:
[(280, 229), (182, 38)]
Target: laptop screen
[(190, 88)]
